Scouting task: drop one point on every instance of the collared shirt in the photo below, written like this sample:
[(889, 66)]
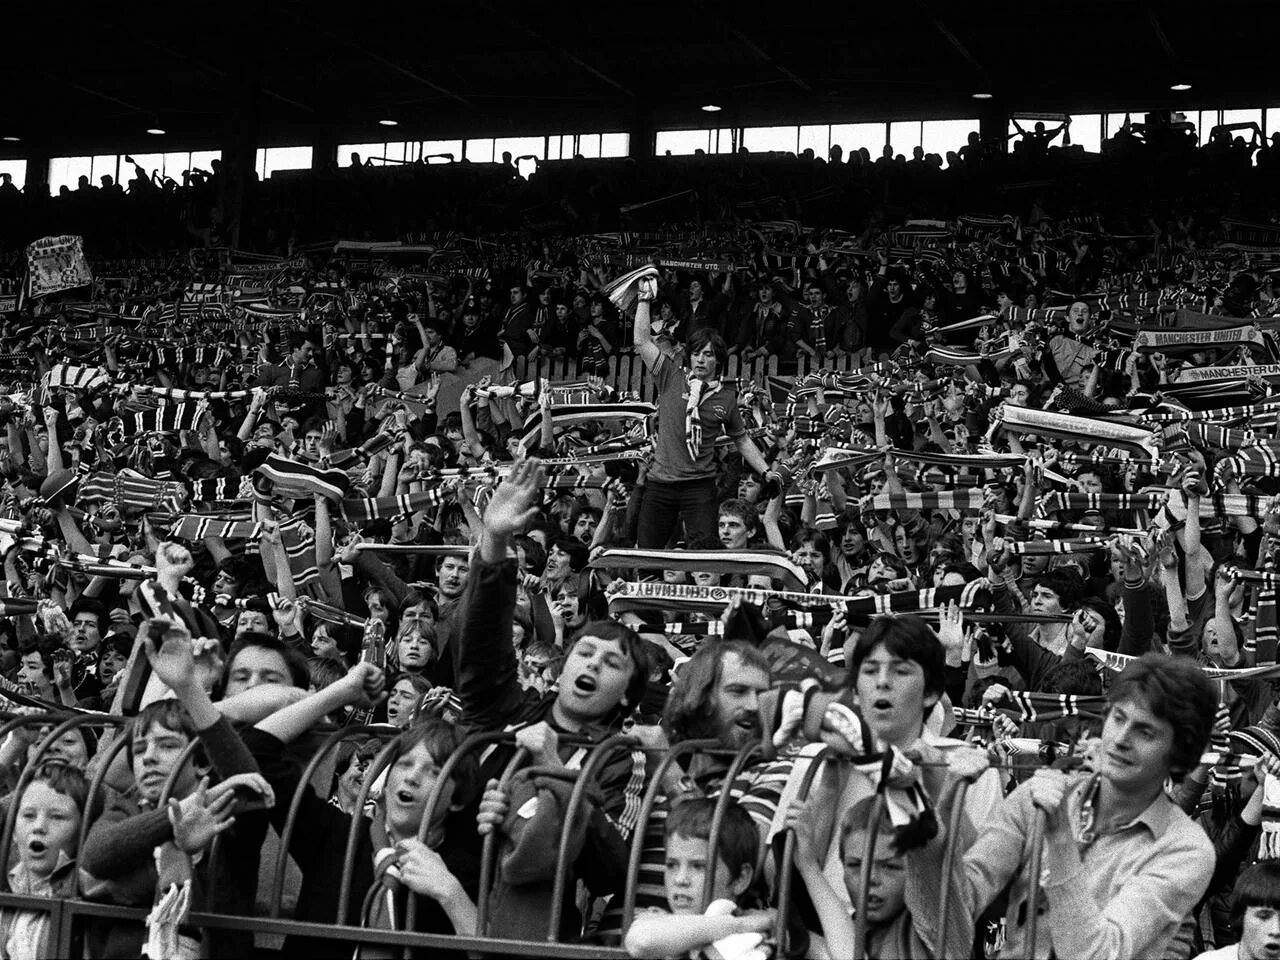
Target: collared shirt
[(718, 411), (1123, 895)]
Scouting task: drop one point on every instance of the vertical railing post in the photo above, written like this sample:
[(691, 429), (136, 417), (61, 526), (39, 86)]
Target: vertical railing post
[(586, 776), (740, 761), (788, 857), (469, 745), (1038, 823), (95, 788), (295, 804), (383, 760), (489, 850), (868, 864), (948, 863), (684, 748)]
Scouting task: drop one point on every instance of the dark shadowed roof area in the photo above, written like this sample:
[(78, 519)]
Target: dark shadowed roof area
[(77, 75)]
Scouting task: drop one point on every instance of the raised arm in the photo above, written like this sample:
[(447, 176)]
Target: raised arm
[(641, 331), (488, 674)]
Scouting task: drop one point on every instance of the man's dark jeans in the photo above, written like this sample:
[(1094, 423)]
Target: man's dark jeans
[(668, 504)]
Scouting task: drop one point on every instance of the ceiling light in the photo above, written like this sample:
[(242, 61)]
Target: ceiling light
[(11, 139), (388, 123), (155, 131), (1180, 87), (710, 108), (982, 96)]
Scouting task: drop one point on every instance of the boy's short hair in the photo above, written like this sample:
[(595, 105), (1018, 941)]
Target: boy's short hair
[(325, 671), (635, 648), (909, 638), (739, 842), (741, 510), (169, 714), (64, 779), (1177, 691), (1257, 886), (441, 740), (295, 662)]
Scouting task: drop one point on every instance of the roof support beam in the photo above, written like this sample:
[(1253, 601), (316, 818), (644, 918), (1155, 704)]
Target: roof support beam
[(747, 42), (563, 51)]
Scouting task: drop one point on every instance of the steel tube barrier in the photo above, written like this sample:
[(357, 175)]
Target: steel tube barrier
[(95, 788), (948, 861), (864, 873), (295, 804), (682, 749), (469, 745), (740, 761), (788, 855), (1039, 822), (383, 760), (68, 916), (489, 849), (585, 776), (171, 780), (28, 773)]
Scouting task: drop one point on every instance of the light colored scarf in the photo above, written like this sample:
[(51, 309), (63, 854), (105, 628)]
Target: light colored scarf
[(693, 417)]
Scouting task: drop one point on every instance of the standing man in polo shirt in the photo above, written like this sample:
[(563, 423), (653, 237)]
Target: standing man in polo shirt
[(694, 407)]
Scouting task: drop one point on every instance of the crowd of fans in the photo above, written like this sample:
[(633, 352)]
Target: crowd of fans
[(917, 599)]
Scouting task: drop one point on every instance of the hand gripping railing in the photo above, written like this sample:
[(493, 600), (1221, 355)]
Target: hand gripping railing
[(489, 850), (295, 804), (469, 745), (586, 776), (868, 863), (948, 863), (788, 857), (682, 749), (384, 759), (740, 761)]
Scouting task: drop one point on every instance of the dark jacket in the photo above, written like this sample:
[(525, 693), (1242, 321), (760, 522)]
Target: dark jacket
[(319, 845), (492, 699)]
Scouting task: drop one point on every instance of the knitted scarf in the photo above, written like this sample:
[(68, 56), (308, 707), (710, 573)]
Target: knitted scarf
[(693, 416), (733, 562)]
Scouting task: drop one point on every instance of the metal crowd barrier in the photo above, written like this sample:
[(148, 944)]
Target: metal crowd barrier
[(68, 916)]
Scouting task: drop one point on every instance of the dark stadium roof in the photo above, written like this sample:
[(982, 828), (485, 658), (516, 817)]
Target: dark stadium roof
[(80, 76)]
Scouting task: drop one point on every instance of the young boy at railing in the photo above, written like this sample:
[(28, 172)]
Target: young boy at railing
[(684, 931), (1255, 908), (118, 860), (902, 897), (45, 836), (389, 860)]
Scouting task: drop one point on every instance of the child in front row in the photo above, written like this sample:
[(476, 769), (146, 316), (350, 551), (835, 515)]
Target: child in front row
[(46, 836), (686, 931), (1255, 911)]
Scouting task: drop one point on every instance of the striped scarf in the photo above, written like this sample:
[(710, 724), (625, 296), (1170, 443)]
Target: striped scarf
[(967, 499), (66, 376), (296, 480), (742, 563), (169, 418), (130, 490), (693, 415)]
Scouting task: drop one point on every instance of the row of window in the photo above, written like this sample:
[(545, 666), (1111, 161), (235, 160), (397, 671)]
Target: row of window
[(933, 136), (67, 171), (490, 149)]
